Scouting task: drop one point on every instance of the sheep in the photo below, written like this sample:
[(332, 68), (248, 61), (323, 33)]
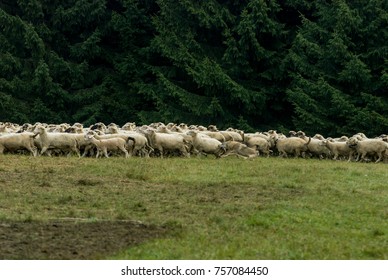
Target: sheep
[(338, 148), (105, 145), (368, 147), (318, 136), (204, 144), (215, 134), (291, 145), (75, 128), (239, 149), (183, 127), (167, 142), (177, 129), (228, 135), (18, 141), (99, 126), (61, 141), (82, 144), (187, 138), (259, 143), (264, 135), (315, 146), (343, 138), (4, 128), (141, 145), (231, 135), (129, 126), (133, 140)]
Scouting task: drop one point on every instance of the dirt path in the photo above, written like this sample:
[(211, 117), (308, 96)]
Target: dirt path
[(64, 240)]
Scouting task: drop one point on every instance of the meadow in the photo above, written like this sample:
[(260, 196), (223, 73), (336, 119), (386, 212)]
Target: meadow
[(201, 208)]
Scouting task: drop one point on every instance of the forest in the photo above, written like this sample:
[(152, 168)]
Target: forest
[(319, 66)]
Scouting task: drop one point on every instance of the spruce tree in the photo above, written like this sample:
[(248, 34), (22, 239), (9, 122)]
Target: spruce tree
[(216, 62), (337, 64)]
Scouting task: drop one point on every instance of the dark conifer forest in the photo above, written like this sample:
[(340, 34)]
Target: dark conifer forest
[(320, 66)]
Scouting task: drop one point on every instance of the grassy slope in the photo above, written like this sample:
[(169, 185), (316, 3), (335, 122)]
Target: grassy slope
[(221, 209)]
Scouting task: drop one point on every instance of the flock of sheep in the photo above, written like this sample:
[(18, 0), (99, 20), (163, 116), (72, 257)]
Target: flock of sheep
[(160, 140)]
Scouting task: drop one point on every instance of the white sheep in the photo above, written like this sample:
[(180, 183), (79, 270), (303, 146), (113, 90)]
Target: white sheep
[(167, 142), (18, 141), (202, 143), (259, 143), (338, 148), (107, 145), (140, 146), (51, 140), (368, 147), (215, 135), (292, 145), (315, 146), (229, 135), (130, 140)]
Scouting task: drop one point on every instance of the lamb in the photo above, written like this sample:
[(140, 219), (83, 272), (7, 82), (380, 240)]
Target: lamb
[(204, 144), (105, 145), (368, 147), (128, 137), (167, 142), (18, 141), (61, 141), (239, 149), (338, 148), (292, 145)]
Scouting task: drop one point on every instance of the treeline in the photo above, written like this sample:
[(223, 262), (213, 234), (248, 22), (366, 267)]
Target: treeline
[(319, 66)]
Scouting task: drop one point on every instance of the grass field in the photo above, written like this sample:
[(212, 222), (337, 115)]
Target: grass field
[(204, 208)]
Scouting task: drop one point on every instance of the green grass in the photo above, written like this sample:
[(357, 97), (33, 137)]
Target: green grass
[(220, 209)]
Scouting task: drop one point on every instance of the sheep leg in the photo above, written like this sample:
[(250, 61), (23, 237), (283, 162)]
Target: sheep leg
[(32, 151), (363, 157), (125, 152), (44, 150), (380, 157), (77, 152)]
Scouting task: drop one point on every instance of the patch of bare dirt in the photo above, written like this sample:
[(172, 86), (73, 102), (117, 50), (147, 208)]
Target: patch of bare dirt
[(71, 240)]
